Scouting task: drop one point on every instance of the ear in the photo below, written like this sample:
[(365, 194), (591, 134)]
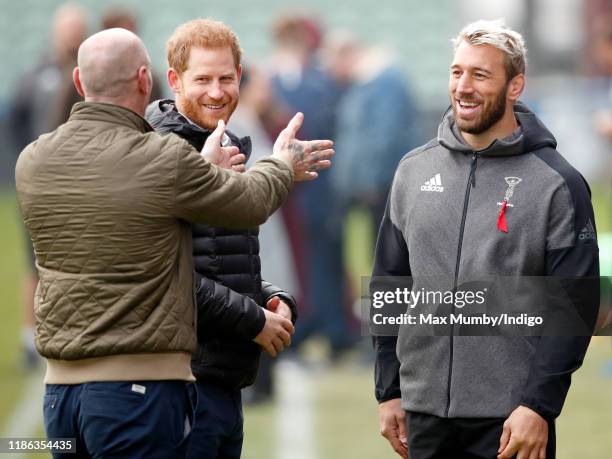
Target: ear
[(76, 79), (515, 87), (174, 80), (239, 71), (145, 82)]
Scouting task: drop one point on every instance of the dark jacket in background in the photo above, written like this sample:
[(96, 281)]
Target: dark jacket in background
[(230, 292)]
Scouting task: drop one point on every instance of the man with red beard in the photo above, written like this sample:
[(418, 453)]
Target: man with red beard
[(490, 196), (238, 313)]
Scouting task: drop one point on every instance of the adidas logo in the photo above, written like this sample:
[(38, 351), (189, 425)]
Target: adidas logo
[(433, 184), (588, 232)]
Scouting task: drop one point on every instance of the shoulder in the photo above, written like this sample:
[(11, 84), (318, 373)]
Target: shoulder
[(417, 153), (567, 175)]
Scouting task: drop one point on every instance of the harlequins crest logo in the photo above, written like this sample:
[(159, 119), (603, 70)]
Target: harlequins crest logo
[(512, 182)]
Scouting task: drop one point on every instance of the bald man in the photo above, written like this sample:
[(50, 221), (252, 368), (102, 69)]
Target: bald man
[(107, 201)]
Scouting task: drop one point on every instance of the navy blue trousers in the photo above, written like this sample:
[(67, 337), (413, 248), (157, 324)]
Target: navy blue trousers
[(136, 419), (218, 429)]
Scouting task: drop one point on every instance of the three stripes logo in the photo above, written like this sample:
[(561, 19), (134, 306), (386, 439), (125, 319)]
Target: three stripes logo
[(433, 184), (588, 232)]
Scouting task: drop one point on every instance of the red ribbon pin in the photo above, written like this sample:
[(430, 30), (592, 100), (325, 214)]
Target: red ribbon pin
[(501, 219)]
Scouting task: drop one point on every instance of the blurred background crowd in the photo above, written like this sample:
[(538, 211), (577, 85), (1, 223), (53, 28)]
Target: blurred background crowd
[(372, 76)]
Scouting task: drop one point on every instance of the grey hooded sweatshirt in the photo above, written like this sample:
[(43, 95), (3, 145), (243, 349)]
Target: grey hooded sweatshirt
[(442, 220)]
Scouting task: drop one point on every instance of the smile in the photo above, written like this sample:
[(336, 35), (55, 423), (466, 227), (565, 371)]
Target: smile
[(467, 108), (214, 107)]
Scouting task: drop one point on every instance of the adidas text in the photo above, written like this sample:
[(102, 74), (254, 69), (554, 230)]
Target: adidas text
[(433, 184)]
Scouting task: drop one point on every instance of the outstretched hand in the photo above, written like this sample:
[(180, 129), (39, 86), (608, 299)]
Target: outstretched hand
[(306, 157), (225, 157)]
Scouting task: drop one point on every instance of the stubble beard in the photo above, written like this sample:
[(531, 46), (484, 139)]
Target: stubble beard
[(488, 118), (193, 110)]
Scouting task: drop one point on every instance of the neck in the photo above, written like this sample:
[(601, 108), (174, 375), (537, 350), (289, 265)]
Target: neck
[(503, 128), (136, 106)]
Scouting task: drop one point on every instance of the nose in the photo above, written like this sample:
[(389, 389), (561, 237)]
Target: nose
[(215, 91), (464, 84)]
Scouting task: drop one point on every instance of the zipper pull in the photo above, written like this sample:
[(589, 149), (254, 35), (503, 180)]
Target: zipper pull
[(473, 174)]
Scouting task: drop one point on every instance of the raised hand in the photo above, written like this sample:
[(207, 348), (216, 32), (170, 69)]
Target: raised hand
[(225, 157), (306, 157)]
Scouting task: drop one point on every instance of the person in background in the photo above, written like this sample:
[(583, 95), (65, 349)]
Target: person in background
[(119, 17), (300, 82), (43, 99), (277, 262), (377, 123)]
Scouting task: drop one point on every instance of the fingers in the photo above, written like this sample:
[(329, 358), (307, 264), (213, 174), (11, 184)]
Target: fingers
[(504, 439), (401, 424), (273, 304), (398, 447), (239, 168), (324, 154), (320, 144), (287, 325), (306, 176), (217, 133), (391, 434), (293, 127), (285, 337), (542, 453), (235, 157), (270, 349), (278, 345), (510, 450), (320, 165)]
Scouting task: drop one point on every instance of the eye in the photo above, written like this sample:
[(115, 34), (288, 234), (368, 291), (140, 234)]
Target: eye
[(456, 73), (480, 76)]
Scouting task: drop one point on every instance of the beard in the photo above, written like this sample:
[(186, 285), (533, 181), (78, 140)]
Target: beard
[(194, 111), (490, 115)]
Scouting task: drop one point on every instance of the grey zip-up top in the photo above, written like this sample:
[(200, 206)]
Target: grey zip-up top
[(442, 220)]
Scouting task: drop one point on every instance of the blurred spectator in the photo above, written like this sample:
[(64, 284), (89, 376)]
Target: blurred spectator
[(603, 57), (117, 16), (377, 124), (277, 263), (300, 82), (43, 99)]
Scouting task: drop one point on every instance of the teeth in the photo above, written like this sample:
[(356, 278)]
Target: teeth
[(213, 107), (468, 104)]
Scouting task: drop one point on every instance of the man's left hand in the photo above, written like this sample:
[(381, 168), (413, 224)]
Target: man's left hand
[(525, 434), (225, 157), (275, 304)]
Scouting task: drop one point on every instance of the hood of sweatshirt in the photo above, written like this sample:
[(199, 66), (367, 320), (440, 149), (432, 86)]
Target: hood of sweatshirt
[(532, 135)]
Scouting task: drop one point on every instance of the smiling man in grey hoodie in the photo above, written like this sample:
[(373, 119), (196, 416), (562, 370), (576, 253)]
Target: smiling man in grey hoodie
[(490, 196)]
